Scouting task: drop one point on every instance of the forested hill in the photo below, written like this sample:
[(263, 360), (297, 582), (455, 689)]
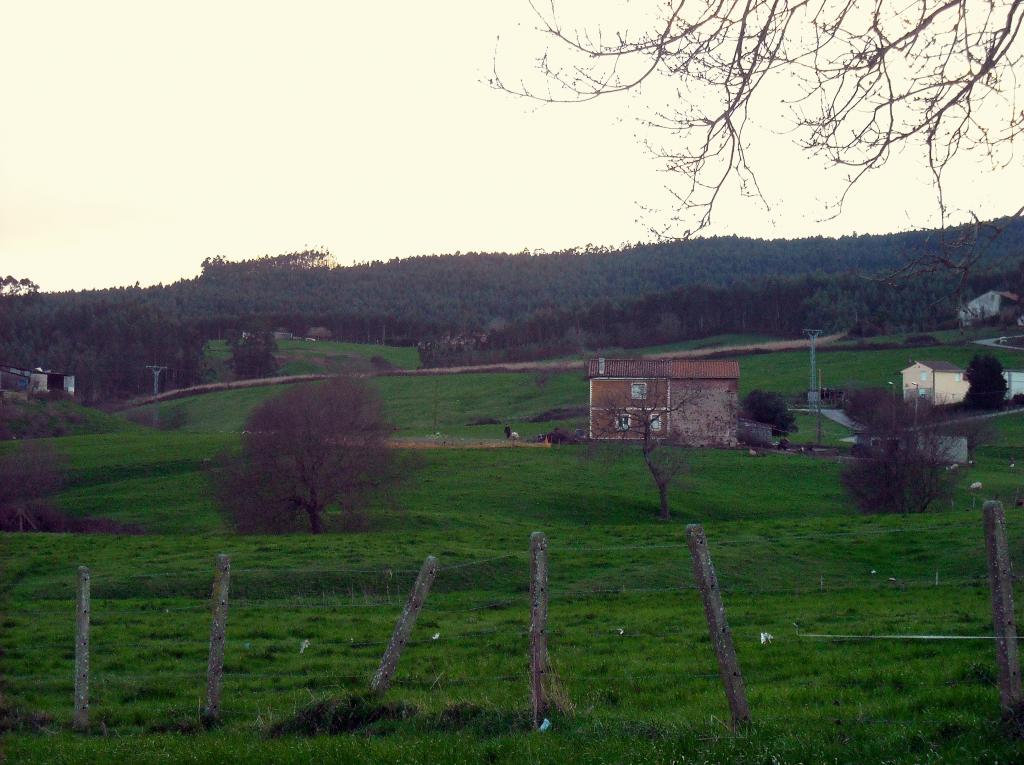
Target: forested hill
[(467, 291), (527, 304)]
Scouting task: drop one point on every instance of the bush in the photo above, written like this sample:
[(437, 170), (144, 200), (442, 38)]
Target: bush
[(30, 478), (987, 384), (769, 408)]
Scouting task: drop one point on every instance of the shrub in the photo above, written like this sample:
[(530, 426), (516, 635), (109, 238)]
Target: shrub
[(769, 408), (987, 384)]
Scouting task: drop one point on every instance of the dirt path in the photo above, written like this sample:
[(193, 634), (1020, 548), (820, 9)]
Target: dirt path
[(562, 365)]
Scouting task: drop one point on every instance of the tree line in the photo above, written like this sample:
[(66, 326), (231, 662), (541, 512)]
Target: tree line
[(509, 305)]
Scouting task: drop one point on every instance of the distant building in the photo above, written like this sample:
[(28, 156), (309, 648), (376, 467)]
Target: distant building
[(1014, 382), (282, 334), (940, 382), (989, 305), (319, 333), (24, 381), (695, 401)]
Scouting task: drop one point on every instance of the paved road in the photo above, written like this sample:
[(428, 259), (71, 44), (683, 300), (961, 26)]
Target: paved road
[(838, 415), (993, 342)]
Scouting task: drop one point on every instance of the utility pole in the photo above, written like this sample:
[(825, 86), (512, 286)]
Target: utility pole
[(156, 370), (819, 406), (814, 390)]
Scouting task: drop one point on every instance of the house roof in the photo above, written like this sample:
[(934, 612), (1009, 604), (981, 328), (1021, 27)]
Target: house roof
[(940, 366), (676, 369)]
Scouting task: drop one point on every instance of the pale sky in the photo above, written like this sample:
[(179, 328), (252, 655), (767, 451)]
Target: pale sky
[(138, 138)]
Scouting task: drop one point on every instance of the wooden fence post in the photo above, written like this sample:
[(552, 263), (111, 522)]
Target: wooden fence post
[(538, 623), (1000, 581), (403, 627), (718, 627), (81, 716), (218, 634)]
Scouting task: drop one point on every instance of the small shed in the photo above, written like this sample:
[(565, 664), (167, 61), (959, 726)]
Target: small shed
[(38, 380), (754, 433)]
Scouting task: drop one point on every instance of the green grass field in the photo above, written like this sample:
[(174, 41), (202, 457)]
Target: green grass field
[(302, 357), (787, 371), (633, 669)]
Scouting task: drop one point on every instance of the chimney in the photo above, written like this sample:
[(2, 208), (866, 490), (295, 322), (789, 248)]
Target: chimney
[(600, 366)]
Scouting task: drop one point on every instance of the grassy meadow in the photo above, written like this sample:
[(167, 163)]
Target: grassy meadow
[(634, 678), (304, 357)]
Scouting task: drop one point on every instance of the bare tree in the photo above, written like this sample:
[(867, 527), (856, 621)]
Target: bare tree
[(904, 456), (862, 80), (310, 448), (650, 421)]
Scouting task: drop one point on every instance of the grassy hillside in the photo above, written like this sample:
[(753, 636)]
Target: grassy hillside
[(787, 371), (631, 661), (302, 357), (627, 638), (420, 406), (41, 418)]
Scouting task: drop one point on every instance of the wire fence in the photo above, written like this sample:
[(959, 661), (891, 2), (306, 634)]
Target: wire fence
[(479, 612)]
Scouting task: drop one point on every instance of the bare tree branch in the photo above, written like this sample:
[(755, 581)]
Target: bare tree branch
[(863, 81)]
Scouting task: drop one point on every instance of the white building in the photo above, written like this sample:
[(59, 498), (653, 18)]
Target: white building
[(988, 305)]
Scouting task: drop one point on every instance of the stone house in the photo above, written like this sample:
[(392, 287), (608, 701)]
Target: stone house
[(693, 401), (937, 381)]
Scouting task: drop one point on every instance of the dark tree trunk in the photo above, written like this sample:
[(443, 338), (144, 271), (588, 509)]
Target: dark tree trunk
[(316, 521), (663, 496)]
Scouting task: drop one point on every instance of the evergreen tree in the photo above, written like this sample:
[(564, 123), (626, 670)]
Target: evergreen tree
[(987, 384)]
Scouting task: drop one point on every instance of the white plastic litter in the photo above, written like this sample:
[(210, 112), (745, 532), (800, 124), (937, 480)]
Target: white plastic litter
[(303, 646), (621, 631), (436, 636), (766, 638), (544, 726)]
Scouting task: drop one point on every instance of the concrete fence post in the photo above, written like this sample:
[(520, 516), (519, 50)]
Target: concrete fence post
[(1000, 579), (218, 635), (538, 623), (403, 627), (718, 627), (81, 715)]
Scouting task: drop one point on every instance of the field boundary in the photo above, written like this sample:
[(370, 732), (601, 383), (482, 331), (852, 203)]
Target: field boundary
[(500, 368)]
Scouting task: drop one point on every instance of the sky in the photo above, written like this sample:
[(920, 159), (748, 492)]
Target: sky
[(137, 139)]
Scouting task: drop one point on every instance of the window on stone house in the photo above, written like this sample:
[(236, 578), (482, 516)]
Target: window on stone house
[(622, 422), (638, 390)]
